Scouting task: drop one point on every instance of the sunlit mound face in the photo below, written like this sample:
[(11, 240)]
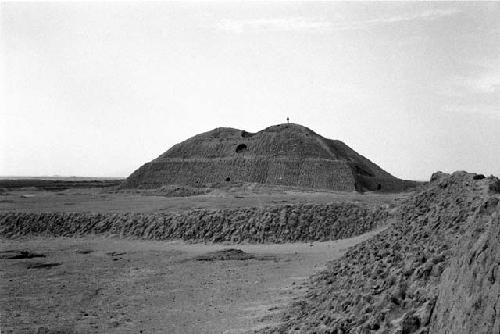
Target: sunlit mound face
[(283, 154)]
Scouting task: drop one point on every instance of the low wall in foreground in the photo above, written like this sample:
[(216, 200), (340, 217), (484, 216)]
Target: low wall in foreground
[(276, 224)]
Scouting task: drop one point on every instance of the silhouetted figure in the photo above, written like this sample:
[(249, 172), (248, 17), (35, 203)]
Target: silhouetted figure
[(288, 120)]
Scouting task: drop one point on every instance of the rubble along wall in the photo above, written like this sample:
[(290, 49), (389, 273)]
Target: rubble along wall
[(275, 224), (310, 173)]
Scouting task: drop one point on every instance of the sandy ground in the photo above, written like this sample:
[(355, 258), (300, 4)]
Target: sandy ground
[(99, 200), (97, 285)]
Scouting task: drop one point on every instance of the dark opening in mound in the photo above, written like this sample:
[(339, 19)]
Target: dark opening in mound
[(228, 179), (241, 148)]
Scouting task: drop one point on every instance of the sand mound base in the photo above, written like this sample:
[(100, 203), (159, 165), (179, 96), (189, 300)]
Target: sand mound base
[(277, 224), (434, 270)]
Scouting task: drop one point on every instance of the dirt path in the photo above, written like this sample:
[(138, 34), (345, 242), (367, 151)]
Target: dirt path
[(96, 285)]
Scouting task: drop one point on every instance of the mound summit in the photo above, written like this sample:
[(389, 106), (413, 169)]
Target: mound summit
[(283, 154)]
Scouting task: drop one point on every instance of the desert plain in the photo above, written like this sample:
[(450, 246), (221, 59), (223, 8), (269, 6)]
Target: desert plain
[(251, 258), (103, 283)]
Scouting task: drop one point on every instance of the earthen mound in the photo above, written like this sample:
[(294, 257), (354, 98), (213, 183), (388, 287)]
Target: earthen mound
[(434, 270), (284, 154)]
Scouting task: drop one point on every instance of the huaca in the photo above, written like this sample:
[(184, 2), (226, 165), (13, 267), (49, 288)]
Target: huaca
[(284, 154)]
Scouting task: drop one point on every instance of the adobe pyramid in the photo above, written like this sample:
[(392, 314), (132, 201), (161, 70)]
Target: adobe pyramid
[(283, 154)]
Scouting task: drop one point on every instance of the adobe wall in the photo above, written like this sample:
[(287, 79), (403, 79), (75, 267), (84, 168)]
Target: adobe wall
[(469, 292), (434, 270), (276, 224)]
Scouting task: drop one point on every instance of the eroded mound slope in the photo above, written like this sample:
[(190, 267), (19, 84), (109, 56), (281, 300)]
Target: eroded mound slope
[(434, 270), (284, 154)]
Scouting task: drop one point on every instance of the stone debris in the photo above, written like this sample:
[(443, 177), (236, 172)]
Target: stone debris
[(17, 255), (226, 255), (41, 265)]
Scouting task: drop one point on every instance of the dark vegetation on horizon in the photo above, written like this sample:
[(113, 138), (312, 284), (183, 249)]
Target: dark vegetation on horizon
[(48, 184)]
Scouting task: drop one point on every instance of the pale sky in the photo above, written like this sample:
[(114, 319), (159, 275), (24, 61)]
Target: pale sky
[(98, 89)]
